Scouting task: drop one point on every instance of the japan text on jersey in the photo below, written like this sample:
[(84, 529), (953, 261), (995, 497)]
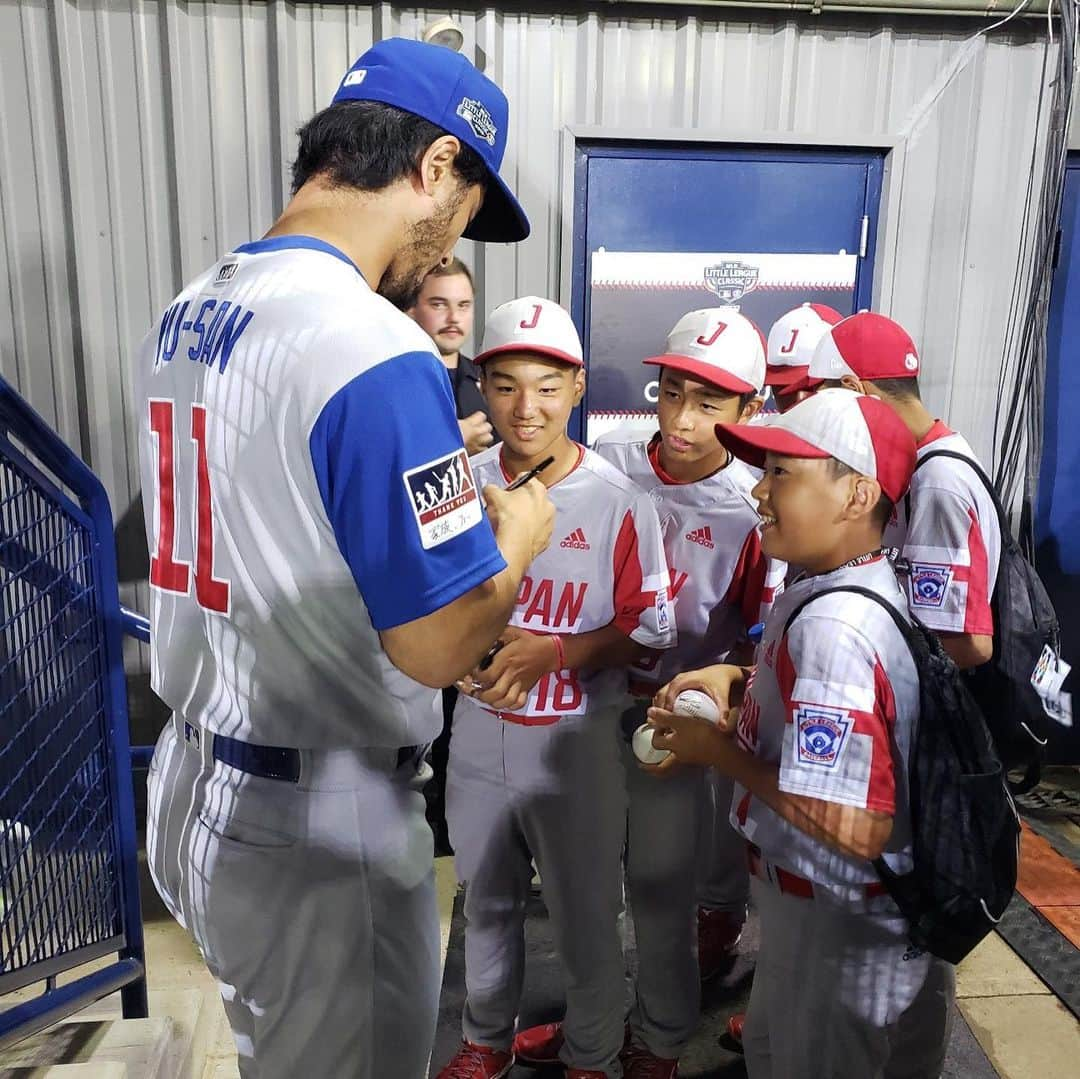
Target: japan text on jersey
[(605, 565)]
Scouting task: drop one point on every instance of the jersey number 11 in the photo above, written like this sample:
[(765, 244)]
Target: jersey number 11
[(168, 572)]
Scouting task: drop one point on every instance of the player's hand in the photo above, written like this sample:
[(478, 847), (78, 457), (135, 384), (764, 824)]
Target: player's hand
[(476, 432), (529, 508), (521, 662), (691, 739), (724, 683)]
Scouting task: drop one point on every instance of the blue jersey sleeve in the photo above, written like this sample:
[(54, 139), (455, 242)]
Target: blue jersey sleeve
[(398, 491)]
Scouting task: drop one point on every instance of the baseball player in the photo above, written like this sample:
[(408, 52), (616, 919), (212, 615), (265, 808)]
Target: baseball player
[(792, 340), (712, 372), (721, 585), (321, 556), (819, 757), (946, 531), (535, 771)]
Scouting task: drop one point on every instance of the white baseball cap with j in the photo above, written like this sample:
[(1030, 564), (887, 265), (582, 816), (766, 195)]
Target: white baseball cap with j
[(717, 345), (532, 324)]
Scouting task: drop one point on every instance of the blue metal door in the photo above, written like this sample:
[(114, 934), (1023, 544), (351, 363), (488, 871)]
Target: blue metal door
[(664, 197), (1057, 529)]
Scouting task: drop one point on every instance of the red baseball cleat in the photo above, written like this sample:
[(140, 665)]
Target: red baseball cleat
[(719, 933), (540, 1044), (639, 1063), (735, 1028), (478, 1062)]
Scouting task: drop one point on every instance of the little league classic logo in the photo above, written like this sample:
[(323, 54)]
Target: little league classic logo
[(929, 584), (443, 497), (479, 119), (731, 280), (821, 734)]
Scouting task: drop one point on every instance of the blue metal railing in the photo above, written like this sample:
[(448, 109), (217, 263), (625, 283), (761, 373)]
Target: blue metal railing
[(68, 849)]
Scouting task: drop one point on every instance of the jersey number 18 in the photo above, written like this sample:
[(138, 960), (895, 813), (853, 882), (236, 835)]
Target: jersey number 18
[(167, 572)]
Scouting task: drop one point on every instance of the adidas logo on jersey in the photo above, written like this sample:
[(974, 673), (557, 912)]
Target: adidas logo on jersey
[(702, 536), (576, 541)]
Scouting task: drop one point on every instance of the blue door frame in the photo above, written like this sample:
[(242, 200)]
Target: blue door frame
[(672, 196), (1057, 523)]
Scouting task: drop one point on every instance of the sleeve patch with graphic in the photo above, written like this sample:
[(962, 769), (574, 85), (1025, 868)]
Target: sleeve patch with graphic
[(929, 584), (821, 734), (444, 498)]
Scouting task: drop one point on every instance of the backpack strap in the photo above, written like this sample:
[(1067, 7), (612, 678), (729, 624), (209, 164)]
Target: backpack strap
[(905, 627), (991, 490)]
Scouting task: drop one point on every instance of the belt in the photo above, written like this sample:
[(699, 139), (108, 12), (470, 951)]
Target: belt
[(792, 884), (267, 762), (524, 721)]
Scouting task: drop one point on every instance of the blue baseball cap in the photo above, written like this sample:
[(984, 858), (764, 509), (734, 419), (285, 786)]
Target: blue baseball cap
[(443, 87)]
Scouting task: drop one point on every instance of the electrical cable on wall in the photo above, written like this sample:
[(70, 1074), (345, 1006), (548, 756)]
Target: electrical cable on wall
[(1018, 415)]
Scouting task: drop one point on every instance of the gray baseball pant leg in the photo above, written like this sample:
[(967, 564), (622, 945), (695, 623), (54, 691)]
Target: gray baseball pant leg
[(313, 904), (494, 863), (661, 879), (839, 994), (574, 821), (723, 878)]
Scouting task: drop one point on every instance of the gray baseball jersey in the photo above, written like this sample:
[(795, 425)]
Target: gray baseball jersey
[(548, 783)]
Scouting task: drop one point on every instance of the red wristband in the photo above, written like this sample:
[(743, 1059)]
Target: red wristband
[(560, 655)]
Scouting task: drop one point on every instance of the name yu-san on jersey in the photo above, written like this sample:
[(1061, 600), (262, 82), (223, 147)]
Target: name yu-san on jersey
[(951, 540), (721, 582), (834, 703), (605, 564), (306, 487)]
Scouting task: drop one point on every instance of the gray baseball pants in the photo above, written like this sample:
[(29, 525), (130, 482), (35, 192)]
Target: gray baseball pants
[(839, 993), (661, 878), (555, 794), (723, 879), (313, 904)]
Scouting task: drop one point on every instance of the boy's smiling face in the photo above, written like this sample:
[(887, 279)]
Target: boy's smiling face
[(530, 399), (803, 505)]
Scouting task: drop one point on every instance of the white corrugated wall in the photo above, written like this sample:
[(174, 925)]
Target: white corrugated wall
[(140, 139)]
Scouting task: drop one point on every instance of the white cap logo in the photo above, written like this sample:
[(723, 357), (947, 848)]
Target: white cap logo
[(355, 78), (479, 119)]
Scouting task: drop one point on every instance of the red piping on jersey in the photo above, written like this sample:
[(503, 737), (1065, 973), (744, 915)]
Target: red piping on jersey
[(630, 600), (654, 460), (653, 453), (747, 589), (510, 479), (978, 618), (939, 430)]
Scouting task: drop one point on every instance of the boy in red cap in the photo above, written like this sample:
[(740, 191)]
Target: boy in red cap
[(818, 750), (946, 530)]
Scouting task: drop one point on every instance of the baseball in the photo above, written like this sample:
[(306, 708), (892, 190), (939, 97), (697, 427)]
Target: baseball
[(692, 702), (644, 750)]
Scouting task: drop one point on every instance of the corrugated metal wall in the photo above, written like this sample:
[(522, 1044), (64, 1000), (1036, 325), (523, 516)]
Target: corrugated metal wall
[(140, 139)]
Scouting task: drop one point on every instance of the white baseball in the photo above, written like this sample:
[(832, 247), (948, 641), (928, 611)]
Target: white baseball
[(644, 750), (692, 702)]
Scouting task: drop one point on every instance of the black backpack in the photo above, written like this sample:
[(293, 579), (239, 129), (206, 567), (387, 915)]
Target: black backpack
[(1024, 624), (965, 833)]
